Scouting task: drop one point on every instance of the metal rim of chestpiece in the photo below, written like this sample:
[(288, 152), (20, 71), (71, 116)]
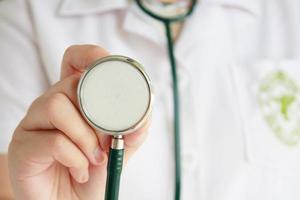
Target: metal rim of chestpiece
[(140, 69)]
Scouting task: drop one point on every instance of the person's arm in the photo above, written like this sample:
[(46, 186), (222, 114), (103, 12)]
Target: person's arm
[(5, 188), (22, 78)]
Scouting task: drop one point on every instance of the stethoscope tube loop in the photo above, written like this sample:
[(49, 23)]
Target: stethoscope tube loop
[(175, 90), (180, 17)]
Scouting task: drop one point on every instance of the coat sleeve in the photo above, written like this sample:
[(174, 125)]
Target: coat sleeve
[(22, 77)]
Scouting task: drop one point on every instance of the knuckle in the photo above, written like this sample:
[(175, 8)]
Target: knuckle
[(59, 143), (71, 82), (86, 142), (53, 104), (83, 163), (69, 50), (36, 101), (35, 104), (66, 87)]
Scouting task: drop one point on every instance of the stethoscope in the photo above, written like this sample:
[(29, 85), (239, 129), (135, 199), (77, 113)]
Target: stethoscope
[(116, 97)]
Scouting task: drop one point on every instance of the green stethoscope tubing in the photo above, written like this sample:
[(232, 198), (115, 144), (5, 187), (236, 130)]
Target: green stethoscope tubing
[(176, 107), (114, 170)]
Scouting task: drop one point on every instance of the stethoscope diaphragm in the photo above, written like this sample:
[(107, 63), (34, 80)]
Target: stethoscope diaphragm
[(115, 95)]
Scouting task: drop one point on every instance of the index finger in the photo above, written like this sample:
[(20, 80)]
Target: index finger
[(78, 57)]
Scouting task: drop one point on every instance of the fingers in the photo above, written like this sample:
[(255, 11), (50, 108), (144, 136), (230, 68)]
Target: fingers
[(34, 152), (58, 112), (42, 108), (67, 154), (135, 140), (78, 57)]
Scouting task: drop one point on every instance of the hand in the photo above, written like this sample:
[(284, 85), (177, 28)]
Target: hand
[(54, 153)]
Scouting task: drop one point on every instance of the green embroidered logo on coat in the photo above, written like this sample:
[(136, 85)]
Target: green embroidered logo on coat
[(279, 101)]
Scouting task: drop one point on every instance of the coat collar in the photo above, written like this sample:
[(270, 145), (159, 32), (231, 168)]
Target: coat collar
[(84, 7), (251, 6), (134, 17)]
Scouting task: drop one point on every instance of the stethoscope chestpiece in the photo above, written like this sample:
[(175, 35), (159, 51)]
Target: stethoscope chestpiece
[(115, 95)]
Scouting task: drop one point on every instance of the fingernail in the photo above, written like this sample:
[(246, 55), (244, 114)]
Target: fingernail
[(84, 177), (81, 176), (99, 155)]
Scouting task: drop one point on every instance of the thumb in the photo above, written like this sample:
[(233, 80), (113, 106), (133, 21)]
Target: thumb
[(78, 57)]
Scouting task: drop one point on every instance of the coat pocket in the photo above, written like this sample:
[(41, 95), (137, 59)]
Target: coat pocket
[(269, 100)]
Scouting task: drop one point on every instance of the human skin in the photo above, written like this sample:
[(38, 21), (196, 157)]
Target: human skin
[(54, 153), (5, 188)]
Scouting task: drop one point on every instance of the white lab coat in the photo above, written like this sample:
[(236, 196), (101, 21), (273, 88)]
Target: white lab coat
[(228, 55)]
